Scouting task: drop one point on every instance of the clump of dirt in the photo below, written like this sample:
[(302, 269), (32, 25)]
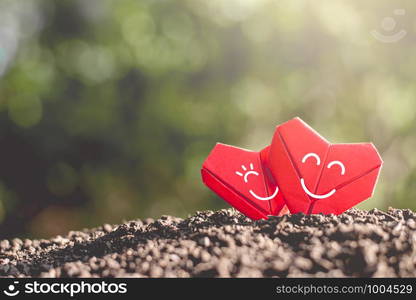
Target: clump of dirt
[(226, 244)]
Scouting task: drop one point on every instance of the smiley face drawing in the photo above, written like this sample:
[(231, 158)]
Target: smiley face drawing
[(318, 162), (245, 176), (316, 176)]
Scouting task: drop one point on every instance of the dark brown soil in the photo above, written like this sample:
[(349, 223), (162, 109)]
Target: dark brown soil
[(224, 244)]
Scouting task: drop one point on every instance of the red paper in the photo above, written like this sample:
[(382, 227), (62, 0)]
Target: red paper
[(316, 176), (299, 172), (242, 179)]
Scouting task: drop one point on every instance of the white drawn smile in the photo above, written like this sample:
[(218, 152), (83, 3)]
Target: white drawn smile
[(264, 198), (315, 195)]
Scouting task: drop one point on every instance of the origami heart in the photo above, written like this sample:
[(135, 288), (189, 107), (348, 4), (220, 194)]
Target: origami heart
[(242, 179), (316, 176)]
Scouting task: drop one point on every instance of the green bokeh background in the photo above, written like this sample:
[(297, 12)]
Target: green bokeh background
[(108, 108)]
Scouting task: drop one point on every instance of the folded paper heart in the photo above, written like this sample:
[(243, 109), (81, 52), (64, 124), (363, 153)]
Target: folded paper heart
[(242, 179), (300, 171)]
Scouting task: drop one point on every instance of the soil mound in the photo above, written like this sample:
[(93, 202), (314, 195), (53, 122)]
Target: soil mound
[(226, 244)]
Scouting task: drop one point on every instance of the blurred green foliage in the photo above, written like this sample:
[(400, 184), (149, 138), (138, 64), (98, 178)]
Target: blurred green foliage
[(108, 108)]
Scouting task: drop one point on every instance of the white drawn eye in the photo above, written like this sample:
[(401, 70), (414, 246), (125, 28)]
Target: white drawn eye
[(247, 172), (337, 162), (316, 156)]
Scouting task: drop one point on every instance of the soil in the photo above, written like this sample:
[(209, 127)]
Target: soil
[(226, 244)]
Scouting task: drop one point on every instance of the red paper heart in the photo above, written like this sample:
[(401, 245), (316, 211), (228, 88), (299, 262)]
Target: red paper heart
[(242, 179), (316, 176)]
